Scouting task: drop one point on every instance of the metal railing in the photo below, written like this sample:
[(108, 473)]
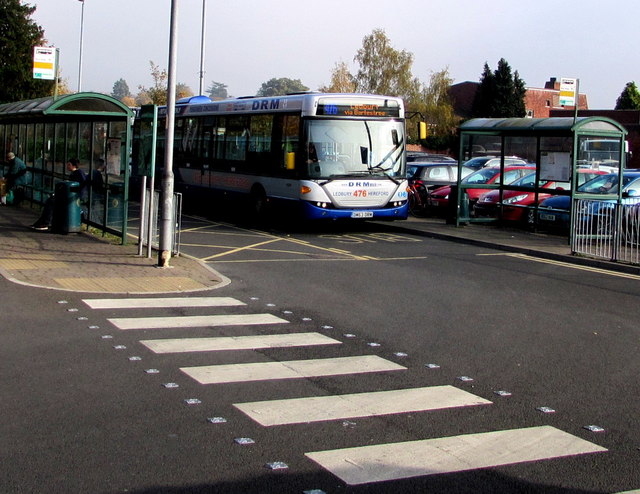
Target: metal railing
[(607, 230), (149, 217)]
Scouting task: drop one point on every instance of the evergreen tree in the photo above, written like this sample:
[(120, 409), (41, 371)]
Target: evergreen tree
[(120, 90), (19, 34), (482, 104), (629, 99), (281, 86), (217, 90), (500, 93)]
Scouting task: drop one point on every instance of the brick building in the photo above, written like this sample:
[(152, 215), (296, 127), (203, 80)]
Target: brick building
[(539, 102), (544, 102)]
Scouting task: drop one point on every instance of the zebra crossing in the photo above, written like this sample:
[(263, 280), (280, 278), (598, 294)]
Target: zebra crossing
[(354, 465)]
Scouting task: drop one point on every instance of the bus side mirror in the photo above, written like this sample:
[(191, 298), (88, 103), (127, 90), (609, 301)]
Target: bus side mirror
[(423, 130), (290, 161)]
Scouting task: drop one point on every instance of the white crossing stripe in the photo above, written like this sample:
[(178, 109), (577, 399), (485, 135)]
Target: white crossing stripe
[(153, 303), (316, 409), (293, 369), (450, 454), (194, 321), (179, 345)]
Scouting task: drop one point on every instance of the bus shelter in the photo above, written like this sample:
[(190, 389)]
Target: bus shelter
[(95, 129), (539, 158)]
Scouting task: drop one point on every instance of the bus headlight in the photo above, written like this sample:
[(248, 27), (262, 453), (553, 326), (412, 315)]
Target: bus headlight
[(321, 204)]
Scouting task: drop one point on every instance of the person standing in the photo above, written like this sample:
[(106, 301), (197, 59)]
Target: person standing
[(16, 177)]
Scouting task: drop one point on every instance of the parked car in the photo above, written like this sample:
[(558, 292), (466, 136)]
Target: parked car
[(554, 212), (484, 161), (428, 176), (425, 177), (515, 202), (429, 157), (438, 201)]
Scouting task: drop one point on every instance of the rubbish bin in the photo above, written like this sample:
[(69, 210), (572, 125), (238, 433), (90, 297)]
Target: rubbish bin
[(453, 214), (66, 208)]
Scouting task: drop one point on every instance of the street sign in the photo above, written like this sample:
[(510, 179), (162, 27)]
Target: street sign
[(568, 91), (44, 63)]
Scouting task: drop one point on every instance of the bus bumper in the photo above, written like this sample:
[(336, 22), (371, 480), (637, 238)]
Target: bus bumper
[(310, 211)]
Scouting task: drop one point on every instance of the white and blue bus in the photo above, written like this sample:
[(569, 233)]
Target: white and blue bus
[(316, 155)]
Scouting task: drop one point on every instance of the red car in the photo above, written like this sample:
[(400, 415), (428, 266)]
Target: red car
[(515, 202), (438, 202)]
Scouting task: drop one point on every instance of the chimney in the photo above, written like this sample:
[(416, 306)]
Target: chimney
[(552, 83)]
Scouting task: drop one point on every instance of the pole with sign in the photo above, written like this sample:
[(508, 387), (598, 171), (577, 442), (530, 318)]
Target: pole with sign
[(570, 94), (44, 63)]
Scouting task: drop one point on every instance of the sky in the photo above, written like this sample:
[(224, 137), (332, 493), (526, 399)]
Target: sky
[(248, 42)]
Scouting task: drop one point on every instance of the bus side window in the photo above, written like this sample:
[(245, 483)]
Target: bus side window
[(219, 142), (236, 139), (259, 155), (290, 142)]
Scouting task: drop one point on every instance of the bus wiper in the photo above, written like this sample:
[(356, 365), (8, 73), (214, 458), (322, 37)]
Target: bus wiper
[(399, 146), (342, 175)]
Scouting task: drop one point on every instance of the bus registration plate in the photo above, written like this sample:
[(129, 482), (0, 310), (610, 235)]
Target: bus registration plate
[(362, 214)]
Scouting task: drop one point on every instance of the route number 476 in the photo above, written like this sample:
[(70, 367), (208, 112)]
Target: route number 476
[(360, 193)]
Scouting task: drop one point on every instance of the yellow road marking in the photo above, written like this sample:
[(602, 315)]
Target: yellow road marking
[(568, 265), (325, 259), (239, 249)]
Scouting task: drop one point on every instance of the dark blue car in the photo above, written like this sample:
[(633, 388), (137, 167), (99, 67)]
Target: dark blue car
[(553, 212)]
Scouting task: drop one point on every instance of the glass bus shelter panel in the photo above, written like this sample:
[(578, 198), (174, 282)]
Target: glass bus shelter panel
[(522, 147), (22, 141), (49, 148), (72, 148), (58, 148), (599, 153), (476, 145), (84, 146)]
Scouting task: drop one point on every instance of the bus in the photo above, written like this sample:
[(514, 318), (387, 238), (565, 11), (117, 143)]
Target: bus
[(315, 155)]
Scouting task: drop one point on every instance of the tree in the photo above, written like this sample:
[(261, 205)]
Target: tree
[(342, 81), (217, 90), (629, 99), (482, 103), (120, 90), (157, 94), (19, 34), (500, 93), (282, 86), (385, 70), (183, 91), (437, 108)]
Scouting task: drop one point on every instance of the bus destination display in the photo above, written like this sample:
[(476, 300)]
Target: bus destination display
[(358, 110)]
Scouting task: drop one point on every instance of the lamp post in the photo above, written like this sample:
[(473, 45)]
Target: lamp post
[(202, 37), (167, 224), (80, 57)]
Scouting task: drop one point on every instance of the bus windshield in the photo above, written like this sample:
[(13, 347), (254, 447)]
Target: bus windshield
[(346, 148)]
